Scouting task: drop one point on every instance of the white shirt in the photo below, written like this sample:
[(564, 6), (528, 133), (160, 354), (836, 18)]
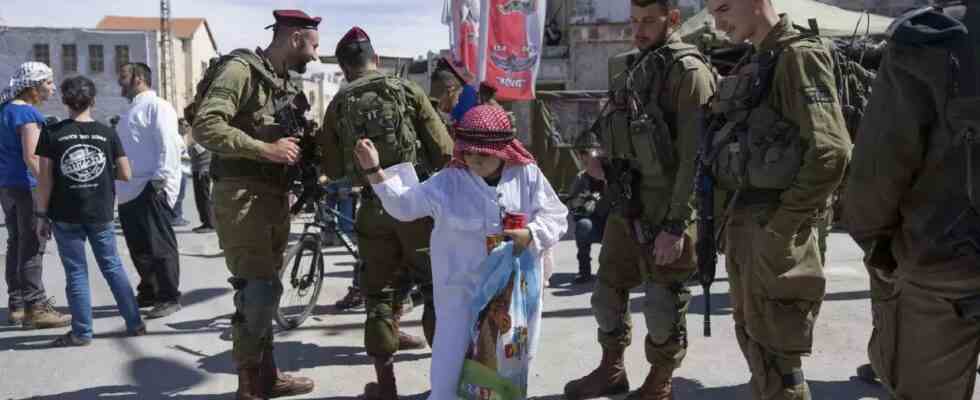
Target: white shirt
[(148, 132)]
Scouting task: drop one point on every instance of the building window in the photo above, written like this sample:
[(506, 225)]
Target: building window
[(96, 59), (122, 56), (69, 58), (42, 53)]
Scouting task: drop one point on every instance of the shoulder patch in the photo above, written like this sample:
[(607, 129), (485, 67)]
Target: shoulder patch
[(818, 94), (691, 63)]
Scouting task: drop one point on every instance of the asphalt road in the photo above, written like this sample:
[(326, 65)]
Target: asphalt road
[(188, 355)]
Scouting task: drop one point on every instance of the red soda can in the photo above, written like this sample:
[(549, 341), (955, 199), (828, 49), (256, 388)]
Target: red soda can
[(515, 221)]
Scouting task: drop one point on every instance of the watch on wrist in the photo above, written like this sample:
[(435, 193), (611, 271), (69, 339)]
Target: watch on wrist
[(41, 214), (372, 170)]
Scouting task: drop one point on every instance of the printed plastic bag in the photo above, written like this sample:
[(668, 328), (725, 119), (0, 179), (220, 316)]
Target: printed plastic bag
[(498, 360)]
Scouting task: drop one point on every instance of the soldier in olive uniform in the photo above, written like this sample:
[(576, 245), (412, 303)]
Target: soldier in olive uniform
[(650, 140), (781, 149), (912, 204), (234, 120), (397, 115)]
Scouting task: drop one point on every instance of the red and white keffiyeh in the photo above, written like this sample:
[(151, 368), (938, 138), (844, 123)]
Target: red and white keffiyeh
[(487, 130)]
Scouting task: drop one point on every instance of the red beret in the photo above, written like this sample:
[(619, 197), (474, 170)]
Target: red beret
[(294, 18), (354, 35), (355, 41)]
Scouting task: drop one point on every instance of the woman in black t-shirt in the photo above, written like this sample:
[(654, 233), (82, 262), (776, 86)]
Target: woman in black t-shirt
[(80, 160)]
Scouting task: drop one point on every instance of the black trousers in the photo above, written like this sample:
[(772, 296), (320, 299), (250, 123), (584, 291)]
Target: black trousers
[(24, 249), (202, 197), (152, 244)]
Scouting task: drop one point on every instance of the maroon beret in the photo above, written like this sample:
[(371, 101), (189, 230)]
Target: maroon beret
[(294, 18), (354, 42)]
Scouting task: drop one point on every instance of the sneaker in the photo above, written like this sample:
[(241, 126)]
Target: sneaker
[(145, 301), (180, 222), (16, 316), (203, 229), (70, 340), (43, 316), (352, 300), (583, 278), (164, 309)]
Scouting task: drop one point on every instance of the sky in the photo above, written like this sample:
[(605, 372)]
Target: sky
[(404, 28)]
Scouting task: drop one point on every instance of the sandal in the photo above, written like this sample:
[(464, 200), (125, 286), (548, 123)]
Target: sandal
[(70, 340)]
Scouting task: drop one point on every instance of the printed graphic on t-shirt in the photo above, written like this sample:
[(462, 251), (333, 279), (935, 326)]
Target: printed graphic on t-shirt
[(82, 163)]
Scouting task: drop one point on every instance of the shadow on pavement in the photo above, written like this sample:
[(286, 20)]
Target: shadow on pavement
[(155, 378), (837, 390), (294, 357), (844, 296)]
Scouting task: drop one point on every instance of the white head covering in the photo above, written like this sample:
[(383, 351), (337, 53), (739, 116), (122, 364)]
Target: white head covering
[(28, 75)]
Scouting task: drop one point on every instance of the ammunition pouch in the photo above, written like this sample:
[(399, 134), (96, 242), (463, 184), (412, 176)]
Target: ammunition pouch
[(764, 152)]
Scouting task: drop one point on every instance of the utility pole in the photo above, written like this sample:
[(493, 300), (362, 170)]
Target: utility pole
[(168, 86)]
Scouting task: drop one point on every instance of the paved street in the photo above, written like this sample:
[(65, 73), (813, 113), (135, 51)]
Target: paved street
[(186, 356)]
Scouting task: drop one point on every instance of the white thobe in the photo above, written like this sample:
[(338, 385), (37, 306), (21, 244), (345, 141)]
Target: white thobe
[(149, 135), (466, 210)]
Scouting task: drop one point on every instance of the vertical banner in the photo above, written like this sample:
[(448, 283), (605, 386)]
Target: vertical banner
[(463, 18), (511, 36)]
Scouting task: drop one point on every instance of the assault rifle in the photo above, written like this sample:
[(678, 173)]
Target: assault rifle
[(290, 113), (707, 247)]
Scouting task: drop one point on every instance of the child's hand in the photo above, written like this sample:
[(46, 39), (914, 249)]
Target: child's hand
[(521, 237), (367, 155)]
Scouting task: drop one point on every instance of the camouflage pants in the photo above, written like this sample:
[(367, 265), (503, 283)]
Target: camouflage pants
[(253, 228), (777, 286), (920, 347), (394, 253), (624, 265)]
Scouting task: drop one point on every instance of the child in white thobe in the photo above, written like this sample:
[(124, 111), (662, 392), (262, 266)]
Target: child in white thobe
[(490, 174)]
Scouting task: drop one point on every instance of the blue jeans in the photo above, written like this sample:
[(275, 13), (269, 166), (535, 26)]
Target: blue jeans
[(71, 240), (343, 204), (588, 230)]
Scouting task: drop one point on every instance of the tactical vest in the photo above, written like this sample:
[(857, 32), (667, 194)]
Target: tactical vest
[(755, 147), (376, 107), (255, 116), (635, 126)]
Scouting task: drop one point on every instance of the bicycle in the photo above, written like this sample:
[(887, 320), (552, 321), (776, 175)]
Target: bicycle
[(303, 271)]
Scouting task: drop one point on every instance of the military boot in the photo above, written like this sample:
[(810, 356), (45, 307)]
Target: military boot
[(42, 315), (16, 316), (609, 379), (249, 386), (277, 384), (406, 341), (385, 388), (655, 387), (410, 342)]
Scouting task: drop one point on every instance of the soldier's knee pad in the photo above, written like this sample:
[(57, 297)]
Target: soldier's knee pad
[(380, 337), (664, 309), (610, 307), (256, 304)]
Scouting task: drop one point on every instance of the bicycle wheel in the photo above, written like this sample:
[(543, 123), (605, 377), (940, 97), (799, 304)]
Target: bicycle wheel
[(302, 279)]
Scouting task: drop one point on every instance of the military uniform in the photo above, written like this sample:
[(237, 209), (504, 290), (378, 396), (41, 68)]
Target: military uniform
[(672, 84), (232, 119), (781, 152), (909, 206), (393, 252)]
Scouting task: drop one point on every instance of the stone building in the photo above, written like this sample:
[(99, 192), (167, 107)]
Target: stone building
[(73, 51)]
